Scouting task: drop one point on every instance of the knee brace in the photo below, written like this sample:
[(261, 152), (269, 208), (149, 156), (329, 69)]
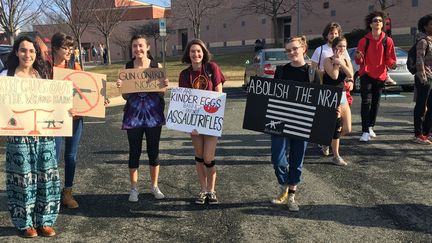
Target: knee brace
[(338, 128), (154, 163), (199, 160), (211, 164)]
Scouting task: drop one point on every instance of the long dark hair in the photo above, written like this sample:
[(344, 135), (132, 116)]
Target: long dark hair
[(136, 37), (12, 61)]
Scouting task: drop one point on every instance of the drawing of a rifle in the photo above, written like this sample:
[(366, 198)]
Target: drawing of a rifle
[(51, 122), (75, 91)]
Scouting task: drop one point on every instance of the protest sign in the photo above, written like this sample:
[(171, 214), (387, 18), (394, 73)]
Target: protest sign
[(142, 80), (35, 107), (196, 109), (298, 110), (89, 91)]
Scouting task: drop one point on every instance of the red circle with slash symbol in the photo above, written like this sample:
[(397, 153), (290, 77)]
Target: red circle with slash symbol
[(84, 76)]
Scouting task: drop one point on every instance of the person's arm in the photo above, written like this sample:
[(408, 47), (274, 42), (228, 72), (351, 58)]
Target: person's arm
[(331, 67), (359, 53), (420, 60), (166, 81), (391, 54)]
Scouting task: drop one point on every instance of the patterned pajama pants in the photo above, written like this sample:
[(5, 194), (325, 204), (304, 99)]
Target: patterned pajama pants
[(32, 181)]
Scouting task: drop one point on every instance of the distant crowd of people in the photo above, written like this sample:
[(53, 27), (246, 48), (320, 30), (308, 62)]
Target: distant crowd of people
[(33, 182)]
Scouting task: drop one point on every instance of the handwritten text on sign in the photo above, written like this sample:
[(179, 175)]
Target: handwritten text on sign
[(299, 110), (35, 107), (196, 109), (89, 91), (142, 80)]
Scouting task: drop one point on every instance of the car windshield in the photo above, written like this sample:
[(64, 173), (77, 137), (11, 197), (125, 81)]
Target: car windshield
[(275, 56)]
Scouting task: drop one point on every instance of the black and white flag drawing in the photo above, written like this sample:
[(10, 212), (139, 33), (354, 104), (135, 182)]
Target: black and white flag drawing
[(287, 108)]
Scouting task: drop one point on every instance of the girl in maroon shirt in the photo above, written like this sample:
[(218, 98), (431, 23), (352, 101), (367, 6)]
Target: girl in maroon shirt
[(206, 75)]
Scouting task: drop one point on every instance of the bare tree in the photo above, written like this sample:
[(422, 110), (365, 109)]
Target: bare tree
[(150, 29), (122, 40), (274, 9), (386, 4), (77, 14), (108, 17), (194, 10), (14, 14)]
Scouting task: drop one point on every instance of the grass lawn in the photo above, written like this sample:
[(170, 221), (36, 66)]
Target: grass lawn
[(232, 66)]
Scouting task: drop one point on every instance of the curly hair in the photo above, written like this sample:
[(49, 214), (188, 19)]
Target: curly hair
[(369, 18), (423, 21), (13, 62)]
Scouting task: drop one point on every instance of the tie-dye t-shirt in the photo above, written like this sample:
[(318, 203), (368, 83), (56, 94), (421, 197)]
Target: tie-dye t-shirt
[(143, 109)]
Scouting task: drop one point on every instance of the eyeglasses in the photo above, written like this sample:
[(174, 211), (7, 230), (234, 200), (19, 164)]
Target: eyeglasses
[(377, 20), (294, 49)]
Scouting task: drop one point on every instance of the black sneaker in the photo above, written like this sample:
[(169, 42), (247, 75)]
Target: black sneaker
[(202, 196), (212, 199)]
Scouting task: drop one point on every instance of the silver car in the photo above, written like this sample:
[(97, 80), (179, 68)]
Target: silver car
[(401, 74), (265, 62)]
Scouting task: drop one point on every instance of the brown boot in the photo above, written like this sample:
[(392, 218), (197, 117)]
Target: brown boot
[(68, 199)]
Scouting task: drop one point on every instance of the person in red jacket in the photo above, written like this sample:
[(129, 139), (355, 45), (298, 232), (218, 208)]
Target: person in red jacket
[(375, 53)]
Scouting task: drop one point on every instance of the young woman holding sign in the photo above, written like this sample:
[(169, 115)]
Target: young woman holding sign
[(206, 75), (32, 184), (287, 154), (337, 69), (143, 114), (62, 49)]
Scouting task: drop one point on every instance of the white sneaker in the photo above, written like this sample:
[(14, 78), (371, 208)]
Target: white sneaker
[(133, 196), (364, 137), (157, 193), (325, 150), (292, 204), (371, 132), (339, 161)]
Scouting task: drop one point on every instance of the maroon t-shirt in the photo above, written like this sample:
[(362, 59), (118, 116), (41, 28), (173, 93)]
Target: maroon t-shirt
[(188, 75)]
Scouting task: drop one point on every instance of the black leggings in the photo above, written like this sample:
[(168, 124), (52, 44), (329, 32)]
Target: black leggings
[(423, 109), (370, 90), (135, 137)]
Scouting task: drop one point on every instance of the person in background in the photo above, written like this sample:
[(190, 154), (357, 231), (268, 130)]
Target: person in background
[(423, 82), (373, 70), (196, 76), (143, 114), (33, 204), (337, 69)]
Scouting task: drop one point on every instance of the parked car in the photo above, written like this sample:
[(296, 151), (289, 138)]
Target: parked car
[(265, 62), (4, 53), (401, 74)]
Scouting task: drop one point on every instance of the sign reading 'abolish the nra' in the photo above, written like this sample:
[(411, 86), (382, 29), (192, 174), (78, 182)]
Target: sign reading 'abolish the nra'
[(142, 80), (298, 110)]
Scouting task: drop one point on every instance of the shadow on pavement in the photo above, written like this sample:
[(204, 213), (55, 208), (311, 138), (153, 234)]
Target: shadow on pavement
[(409, 217), (191, 162), (8, 231)]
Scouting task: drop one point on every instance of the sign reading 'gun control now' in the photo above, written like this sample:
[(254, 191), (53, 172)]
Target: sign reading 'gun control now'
[(299, 110), (201, 110), (142, 80)]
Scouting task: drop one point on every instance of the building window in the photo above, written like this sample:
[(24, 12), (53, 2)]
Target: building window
[(207, 27), (414, 3), (243, 42), (225, 43), (326, 5), (263, 21), (243, 23), (208, 44), (333, 12), (224, 26), (371, 8)]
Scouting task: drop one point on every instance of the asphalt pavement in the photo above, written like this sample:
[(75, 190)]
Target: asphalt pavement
[(383, 195)]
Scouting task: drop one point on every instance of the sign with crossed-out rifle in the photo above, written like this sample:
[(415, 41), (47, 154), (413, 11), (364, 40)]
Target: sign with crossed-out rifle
[(89, 91)]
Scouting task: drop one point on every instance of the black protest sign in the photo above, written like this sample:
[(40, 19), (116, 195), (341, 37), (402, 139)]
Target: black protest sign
[(298, 110)]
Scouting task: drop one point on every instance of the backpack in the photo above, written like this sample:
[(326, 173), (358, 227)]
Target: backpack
[(412, 57)]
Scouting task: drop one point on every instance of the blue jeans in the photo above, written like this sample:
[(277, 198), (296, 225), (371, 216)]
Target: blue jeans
[(71, 149), (287, 156)]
